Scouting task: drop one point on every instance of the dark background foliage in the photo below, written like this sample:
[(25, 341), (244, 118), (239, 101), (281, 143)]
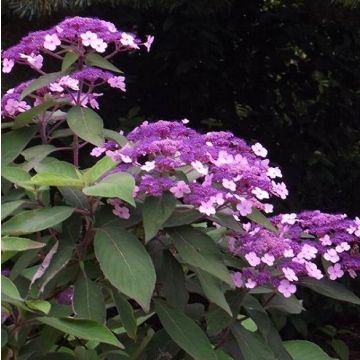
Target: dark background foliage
[(285, 73)]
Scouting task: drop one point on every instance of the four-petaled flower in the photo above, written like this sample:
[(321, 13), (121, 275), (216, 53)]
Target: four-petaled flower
[(51, 42), (335, 272), (286, 288)]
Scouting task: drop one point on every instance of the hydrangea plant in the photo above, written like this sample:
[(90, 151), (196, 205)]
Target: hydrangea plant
[(160, 250)]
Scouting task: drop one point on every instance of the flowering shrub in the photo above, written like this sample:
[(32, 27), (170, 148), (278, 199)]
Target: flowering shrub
[(161, 249)]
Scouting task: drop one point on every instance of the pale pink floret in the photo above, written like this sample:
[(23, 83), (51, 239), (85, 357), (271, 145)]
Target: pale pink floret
[(260, 194), (88, 38), (274, 172), (207, 208), (122, 212), (268, 259), (259, 150), (244, 207), (128, 40), (237, 279), (288, 253), (252, 259), (286, 288), (288, 219), (148, 43), (229, 184), (34, 60), (335, 272), (218, 199), (325, 240), (149, 165), (12, 106), (117, 82), (99, 45), (97, 151), (250, 283), (344, 246), (180, 189), (8, 64), (51, 42), (332, 256), (289, 274), (307, 252), (313, 271), (200, 168), (280, 189)]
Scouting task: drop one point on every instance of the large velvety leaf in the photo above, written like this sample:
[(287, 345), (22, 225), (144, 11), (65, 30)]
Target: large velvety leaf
[(185, 332), (17, 176), (13, 143), (40, 82), (251, 345), (259, 218), (38, 151), (83, 329), (9, 207), (10, 243), (305, 350), (119, 185), (94, 59), (125, 263), (99, 169), (173, 281), (331, 289), (87, 124), (30, 221), (28, 116), (213, 289), (199, 250), (126, 313), (156, 210), (265, 326), (88, 300)]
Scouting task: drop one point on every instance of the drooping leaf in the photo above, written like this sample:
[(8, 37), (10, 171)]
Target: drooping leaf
[(30, 221), (17, 176), (126, 313), (173, 281), (290, 305), (331, 289), (83, 329), (182, 217), (125, 263), (38, 305), (119, 185), (9, 207), (74, 197), (69, 59), (305, 350), (99, 169), (217, 319), (88, 300), (55, 166), (251, 345), (38, 151), (9, 289), (13, 143), (265, 326), (10, 243), (39, 83), (341, 348), (94, 59), (199, 250), (185, 332), (51, 179), (28, 116), (155, 211), (87, 124), (213, 289), (259, 218)]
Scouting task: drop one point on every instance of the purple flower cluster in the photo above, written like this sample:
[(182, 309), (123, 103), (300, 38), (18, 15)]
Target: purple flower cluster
[(77, 34), (212, 172), (310, 244)]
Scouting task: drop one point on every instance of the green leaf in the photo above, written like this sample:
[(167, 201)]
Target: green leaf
[(88, 300), (9, 289), (182, 217), (155, 211), (126, 313), (28, 116), (30, 221), (213, 289), (17, 176), (9, 207), (69, 59), (172, 279), (83, 329), (86, 354), (87, 124), (19, 244), (99, 169), (115, 136), (265, 326), (39, 305), (38, 151), (93, 59), (125, 263), (39, 83), (185, 332), (290, 305), (50, 179), (199, 250), (305, 350), (340, 348), (14, 142), (119, 185), (259, 218), (217, 320), (74, 197), (251, 346), (221, 355), (332, 289)]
